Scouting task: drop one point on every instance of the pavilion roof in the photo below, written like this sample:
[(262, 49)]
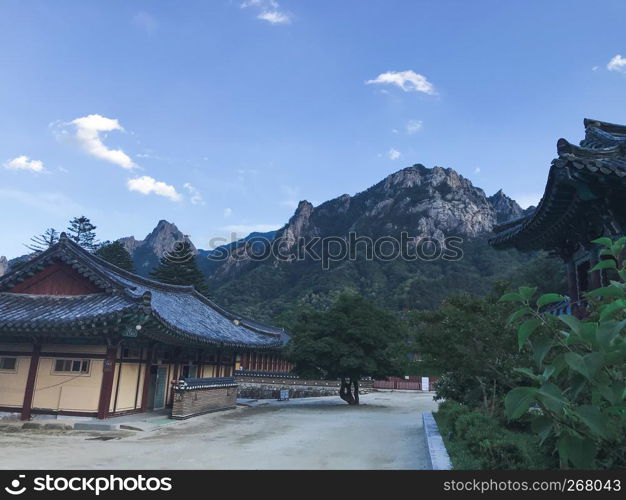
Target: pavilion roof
[(170, 313), (579, 177)]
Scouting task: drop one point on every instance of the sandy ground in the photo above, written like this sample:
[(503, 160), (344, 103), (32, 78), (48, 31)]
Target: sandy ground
[(385, 432)]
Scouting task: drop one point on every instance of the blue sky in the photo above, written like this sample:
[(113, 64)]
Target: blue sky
[(220, 115)]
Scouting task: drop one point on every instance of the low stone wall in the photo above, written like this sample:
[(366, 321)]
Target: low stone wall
[(198, 396), (258, 386)]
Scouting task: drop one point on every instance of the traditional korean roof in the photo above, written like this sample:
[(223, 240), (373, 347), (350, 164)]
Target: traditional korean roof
[(168, 313), (581, 179)]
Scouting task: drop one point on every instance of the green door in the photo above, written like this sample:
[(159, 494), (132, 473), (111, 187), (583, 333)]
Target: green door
[(159, 390)]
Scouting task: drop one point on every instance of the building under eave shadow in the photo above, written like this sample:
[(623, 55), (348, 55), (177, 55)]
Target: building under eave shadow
[(584, 198), (79, 336)]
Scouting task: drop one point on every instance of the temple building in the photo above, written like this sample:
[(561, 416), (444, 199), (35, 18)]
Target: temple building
[(583, 200), (79, 336)]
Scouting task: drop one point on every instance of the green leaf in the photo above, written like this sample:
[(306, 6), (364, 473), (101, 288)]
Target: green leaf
[(526, 329), (549, 298), (606, 292), (580, 452), (573, 322), (608, 331), (547, 372), (552, 397), (518, 314), (604, 241), (587, 365), (527, 292), (608, 311), (620, 242), (511, 297), (542, 426), (518, 400), (592, 417), (541, 347), (528, 372), (604, 264)]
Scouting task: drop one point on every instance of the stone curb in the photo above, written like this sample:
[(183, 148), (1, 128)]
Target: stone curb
[(436, 450)]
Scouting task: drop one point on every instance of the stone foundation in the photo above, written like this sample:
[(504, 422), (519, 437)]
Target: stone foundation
[(198, 396)]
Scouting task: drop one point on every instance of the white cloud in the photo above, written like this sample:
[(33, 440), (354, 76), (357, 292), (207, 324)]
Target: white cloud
[(24, 163), (147, 185), (393, 154), (194, 195), (269, 10), (409, 81), (145, 21), (274, 17), (88, 135), (242, 230), (618, 63), (413, 126), (525, 200), (228, 212), (477, 170)]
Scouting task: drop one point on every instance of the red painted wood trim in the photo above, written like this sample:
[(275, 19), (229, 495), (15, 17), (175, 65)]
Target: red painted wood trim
[(56, 279), (30, 382), (174, 377), (106, 388)]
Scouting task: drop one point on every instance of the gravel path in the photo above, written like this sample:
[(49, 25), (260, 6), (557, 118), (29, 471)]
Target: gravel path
[(385, 432)]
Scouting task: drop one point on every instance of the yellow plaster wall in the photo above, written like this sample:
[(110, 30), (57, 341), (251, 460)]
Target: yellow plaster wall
[(67, 392), (127, 386), (13, 384)]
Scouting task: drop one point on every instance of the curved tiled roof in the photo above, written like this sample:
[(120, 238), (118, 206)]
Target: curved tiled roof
[(58, 311), (602, 153), (181, 312)]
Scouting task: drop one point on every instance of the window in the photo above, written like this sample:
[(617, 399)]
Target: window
[(71, 366), (8, 364)]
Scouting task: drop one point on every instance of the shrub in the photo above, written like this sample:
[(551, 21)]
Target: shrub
[(450, 411), (577, 376), (491, 445)]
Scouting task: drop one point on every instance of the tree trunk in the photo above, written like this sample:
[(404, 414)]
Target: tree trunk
[(347, 393)]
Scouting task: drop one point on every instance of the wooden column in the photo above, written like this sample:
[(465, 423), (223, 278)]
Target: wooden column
[(106, 388), (30, 381), (218, 364)]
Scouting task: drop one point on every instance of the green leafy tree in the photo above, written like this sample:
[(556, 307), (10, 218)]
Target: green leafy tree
[(179, 267), (83, 232), (116, 254), (577, 381), (352, 339), (43, 241), (468, 341)]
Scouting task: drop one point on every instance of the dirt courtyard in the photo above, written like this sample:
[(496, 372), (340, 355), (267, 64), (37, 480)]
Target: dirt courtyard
[(385, 432)]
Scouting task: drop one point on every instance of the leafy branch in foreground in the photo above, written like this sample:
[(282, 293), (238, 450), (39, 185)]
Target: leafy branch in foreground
[(577, 390)]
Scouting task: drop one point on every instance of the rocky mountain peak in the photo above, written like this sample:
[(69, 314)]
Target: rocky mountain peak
[(4, 265), (506, 208), (163, 238), (147, 252)]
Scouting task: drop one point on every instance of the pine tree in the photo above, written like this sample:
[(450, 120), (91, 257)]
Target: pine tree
[(179, 267), (116, 254), (43, 241), (82, 231)]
